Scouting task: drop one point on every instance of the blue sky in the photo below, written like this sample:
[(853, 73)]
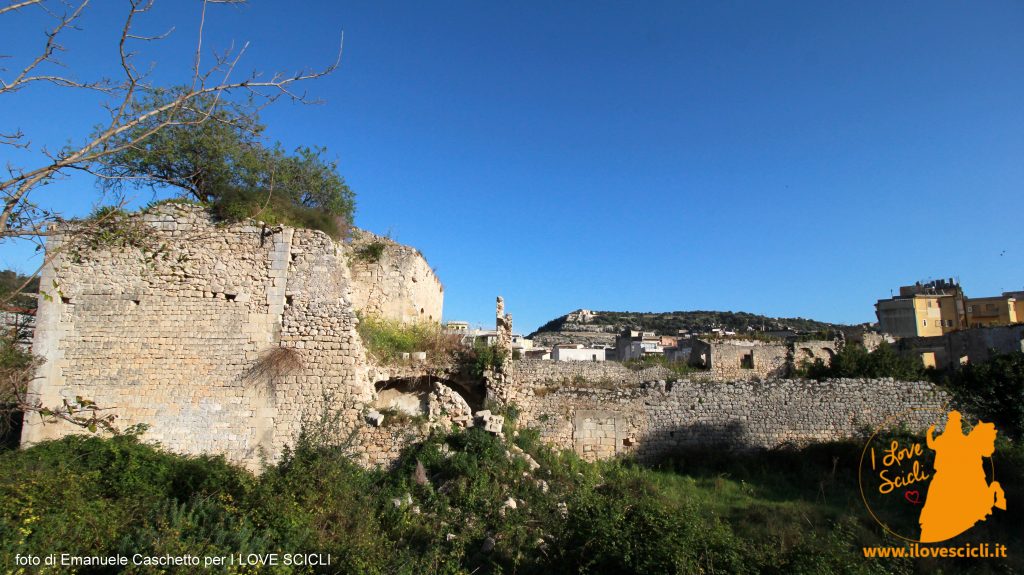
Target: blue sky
[(785, 158)]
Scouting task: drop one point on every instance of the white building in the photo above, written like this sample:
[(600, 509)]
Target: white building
[(577, 353)]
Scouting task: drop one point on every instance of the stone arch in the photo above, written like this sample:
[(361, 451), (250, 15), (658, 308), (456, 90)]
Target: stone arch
[(412, 395)]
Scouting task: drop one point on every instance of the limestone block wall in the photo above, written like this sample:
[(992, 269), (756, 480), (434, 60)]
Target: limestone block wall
[(655, 417), (397, 283), (548, 373), (732, 361), (810, 351), (172, 333)]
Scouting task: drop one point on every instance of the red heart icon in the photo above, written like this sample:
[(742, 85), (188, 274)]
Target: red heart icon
[(913, 497)]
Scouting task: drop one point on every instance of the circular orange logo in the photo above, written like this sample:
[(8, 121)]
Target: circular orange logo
[(932, 486)]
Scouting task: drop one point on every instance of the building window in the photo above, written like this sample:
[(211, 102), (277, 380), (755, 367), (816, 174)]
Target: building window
[(924, 322)]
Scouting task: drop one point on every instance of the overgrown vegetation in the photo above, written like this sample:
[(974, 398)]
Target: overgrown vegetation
[(370, 252), (854, 361), (679, 369), (482, 357), (786, 511), (387, 339), (994, 391), (16, 370), (695, 321), (12, 292), (225, 164)]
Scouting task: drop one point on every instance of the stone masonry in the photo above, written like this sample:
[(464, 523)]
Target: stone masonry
[(397, 283), (606, 411), (221, 339), (230, 339)]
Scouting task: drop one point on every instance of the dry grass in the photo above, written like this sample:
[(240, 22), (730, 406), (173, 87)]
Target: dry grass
[(273, 364)]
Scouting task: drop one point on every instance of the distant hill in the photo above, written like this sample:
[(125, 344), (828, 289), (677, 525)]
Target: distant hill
[(600, 327)]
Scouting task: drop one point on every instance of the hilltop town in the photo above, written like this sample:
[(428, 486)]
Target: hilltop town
[(931, 321)]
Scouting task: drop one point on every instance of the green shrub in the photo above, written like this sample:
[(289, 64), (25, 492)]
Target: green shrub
[(678, 368), (854, 361), (371, 252), (387, 339), (994, 391), (482, 357), (789, 511)]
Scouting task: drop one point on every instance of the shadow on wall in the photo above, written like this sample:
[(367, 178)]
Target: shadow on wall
[(725, 437), (411, 394)]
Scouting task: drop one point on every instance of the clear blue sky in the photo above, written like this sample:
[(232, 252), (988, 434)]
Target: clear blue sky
[(785, 158)]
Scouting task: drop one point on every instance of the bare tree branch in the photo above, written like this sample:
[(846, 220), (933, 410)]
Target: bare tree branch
[(129, 127), (17, 6)]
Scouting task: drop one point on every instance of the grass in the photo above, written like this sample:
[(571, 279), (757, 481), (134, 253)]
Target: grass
[(679, 369), (387, 339), (783, 511)]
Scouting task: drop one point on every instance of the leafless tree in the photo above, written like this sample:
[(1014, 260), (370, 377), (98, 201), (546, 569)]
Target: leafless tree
[(125, 123)]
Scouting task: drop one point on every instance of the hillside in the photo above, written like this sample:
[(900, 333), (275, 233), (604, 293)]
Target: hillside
[(599, 327)]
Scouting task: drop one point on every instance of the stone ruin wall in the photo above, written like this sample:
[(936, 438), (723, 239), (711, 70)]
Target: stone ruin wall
[(398, 284), (618, 412), (176, 336), (731, 360)]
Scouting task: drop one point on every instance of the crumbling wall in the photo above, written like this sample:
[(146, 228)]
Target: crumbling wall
[(177, 331), (960, 347), (731, 360), (657, 417), (393, 281), (805, 352)]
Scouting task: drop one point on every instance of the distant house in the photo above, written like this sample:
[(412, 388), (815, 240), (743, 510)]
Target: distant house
[(457, 327), (520, 343), (490, 337), (681, 351), (537, 353), (634, 344), (1007, 309), (576, 352)]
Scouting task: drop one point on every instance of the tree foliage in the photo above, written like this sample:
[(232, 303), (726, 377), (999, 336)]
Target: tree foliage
[(224, 162), (854, 361), (993, 391), (127, 122)]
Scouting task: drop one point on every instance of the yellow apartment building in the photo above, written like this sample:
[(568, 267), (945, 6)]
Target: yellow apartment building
[(923, 310), (1006, 309)]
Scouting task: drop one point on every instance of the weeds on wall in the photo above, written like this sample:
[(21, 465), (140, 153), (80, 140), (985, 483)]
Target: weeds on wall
[(854, 361), (482, 358), (109, 227), (371, 252), (386, 340), (272, 364), (678, 368)]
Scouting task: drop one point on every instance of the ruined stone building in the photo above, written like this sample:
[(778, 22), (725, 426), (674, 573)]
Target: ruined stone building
[(229, 339), (221, 339)]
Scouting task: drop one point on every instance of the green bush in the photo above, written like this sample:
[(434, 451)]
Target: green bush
[(854, 361), (787, 511), (387, 339), (482, 357), (994, 391)]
